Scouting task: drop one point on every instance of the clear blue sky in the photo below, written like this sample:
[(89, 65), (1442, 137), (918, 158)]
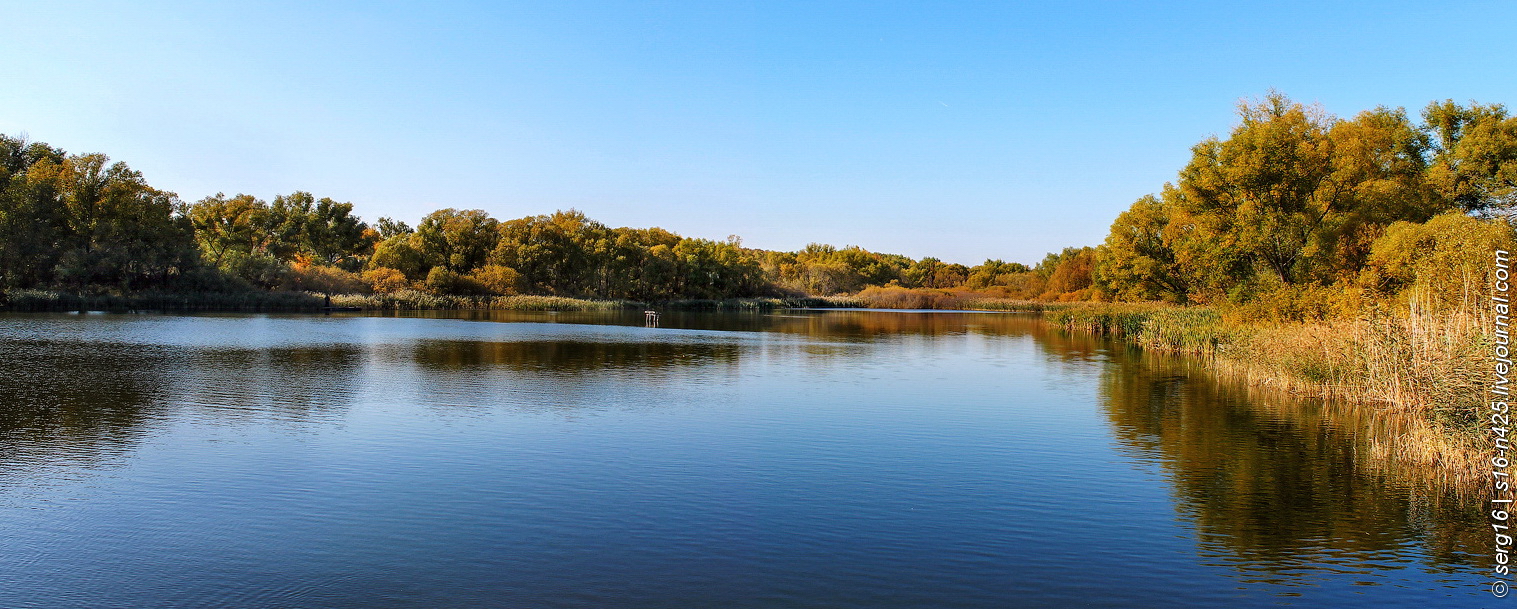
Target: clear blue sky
[(965, 130)]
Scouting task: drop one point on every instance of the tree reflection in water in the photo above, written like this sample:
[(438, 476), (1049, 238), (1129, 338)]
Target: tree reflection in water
[(1273, 483)]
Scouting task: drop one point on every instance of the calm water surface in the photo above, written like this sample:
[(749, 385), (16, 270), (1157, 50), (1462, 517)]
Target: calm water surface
[(795, 459)]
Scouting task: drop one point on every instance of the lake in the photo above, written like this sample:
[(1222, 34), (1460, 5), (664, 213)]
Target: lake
[(786, 459)]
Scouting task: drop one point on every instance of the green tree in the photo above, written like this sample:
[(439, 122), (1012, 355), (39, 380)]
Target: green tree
[(389, 227), (1264, 190), (994, 273), (1137, 261), (459, 240), (1295, 193), (555, 254), (31, 220), (1440, 265), (224, 227), (333, 236), (117, 231), (401, 253), (1475, 160)]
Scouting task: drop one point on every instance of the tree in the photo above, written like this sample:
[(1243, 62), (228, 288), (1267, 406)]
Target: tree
[(334, 236), (225, 226), (1441, 264), (459, 240), (325, 279), (116, 230), (555, 254), (281, 226), (1264, 191), (994, 273), (933, 273), (1295, 193), (401, 253), (31, 221), (1137, 261), (389, 227), (1475, 156), (1072, 275)]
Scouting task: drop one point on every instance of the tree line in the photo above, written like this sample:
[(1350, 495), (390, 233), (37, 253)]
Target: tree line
[(84, 224), (1294, 206), (1302, 209)]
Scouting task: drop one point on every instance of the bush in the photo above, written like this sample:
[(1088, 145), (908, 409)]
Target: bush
[(261, 270), (1279, 303), (442, 281), (896, 297), (209, 279), (385, 280), (497, 279), (325, 279), (1443, 264)]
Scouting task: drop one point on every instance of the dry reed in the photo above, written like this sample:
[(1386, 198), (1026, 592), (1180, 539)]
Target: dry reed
[(1414, 377)]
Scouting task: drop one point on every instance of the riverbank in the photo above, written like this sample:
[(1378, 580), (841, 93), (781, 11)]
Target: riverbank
[(405, 300), (1418, 373), (251, 301)]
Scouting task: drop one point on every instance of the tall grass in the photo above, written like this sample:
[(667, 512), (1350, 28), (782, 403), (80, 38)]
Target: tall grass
[(1420, 373), (958, 299), (1194, 330), (404, 300), (990, 303), (758, 304), (416, 300), (45, 300)]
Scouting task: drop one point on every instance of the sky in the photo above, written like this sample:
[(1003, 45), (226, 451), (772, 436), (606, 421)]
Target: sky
[(963, 130)]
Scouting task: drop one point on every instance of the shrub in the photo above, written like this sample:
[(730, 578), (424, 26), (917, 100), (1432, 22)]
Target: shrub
[(385, 280), (443, 281), (325, 279), (896, 297), (1442, 264), (497, 279)]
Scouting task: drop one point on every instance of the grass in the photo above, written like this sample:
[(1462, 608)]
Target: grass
[(1420, 373), (404, 300), (956, 299), (413, 300), (1193, 330), (416, 300), (45, 300)]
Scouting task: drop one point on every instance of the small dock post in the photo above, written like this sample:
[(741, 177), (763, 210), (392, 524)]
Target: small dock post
[(650, 319)]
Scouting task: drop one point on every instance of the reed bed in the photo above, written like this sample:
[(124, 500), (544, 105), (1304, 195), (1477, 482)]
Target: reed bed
[(416, 300), (758, 304), (403, 300), (1420, 374), (1017, 305), (46, 300), (897, 297), (1192, 330)]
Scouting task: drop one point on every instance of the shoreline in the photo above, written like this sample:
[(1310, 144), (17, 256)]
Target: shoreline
[(39, 301), (1410, 382), (1418, 374)]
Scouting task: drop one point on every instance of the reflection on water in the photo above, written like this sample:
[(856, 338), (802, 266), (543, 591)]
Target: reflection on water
[(1274, 485), (570, 356), (799, 458), (66, 407)]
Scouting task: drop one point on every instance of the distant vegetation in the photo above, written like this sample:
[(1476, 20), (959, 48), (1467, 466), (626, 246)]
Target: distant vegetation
[(79, 225), (1295, 215)]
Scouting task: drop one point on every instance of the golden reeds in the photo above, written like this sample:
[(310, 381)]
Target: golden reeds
[(1412, 379)]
